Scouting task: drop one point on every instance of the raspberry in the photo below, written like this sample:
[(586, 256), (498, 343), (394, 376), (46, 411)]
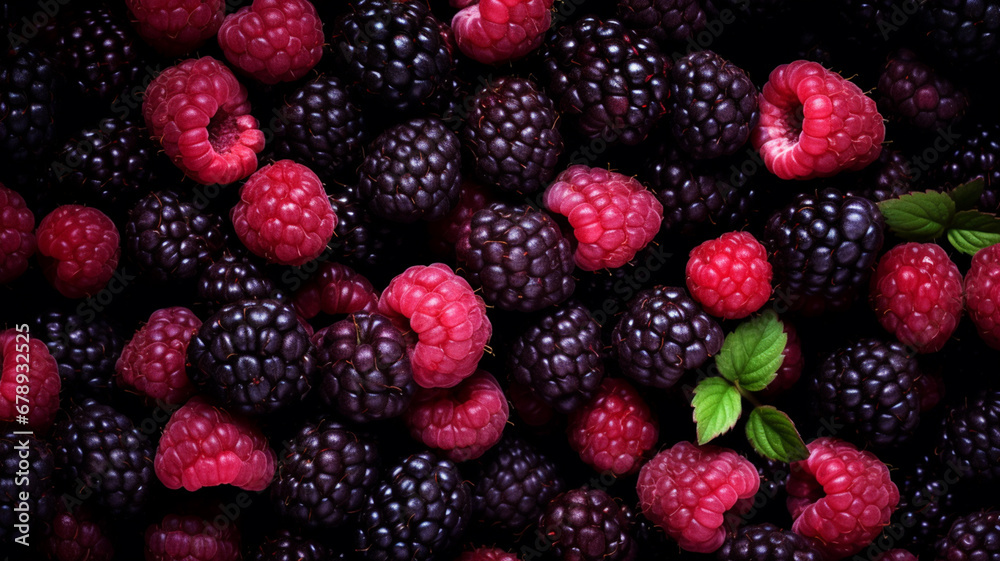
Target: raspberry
[(284, 214), (26, 363), (496, 31), (791, 364), (463, 421), (897, 555), (815, 123), (335, 289), (445, 321), (840, 497), (78, 249), (613, 216), (615, 430), (17, 235), (176, 27), (982, 294), (153, 362), (200, 113), (916, 293), (729, 276), (517, 483), (203, 446), (77, 536), (273, 40), (766, 542), (487, 554), (191, 538), (588, 525), (687, 489)]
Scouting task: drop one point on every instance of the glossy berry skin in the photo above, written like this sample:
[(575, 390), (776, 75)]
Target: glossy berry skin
[(664, 20), (615, 431), (152, 364), (969, 440), (17, 235), (729, 276), (288, 546), (982, 294), (28, 92), (96, 52), (176, 27), (335, 289), (588, 525), (497, 31), (86, 348), (273, 41), (518, 481), (191, 538), (766, 542), (78, 249), (230, 279), (972, 537), (18, 452), (913, 92)]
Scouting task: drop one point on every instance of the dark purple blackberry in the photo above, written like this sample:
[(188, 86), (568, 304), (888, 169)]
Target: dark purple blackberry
[(519, 257), (230, 278), (286, 546), (78, 535), (102, 455), (96, 53), (889, 177), (254, 356), (412, 172), (766, 542), (86, 347), (419, 509), (27, 104), (364, 369), (559, 357), (517, 481), (913, 92), (970, 438), (612, 82), (964, 32), (662, 335), (977, 154), (359, 239), (35, 480), (663, 20), (714, 105), (325, 477), (396, 75), (321, 127), (822, 247), (170, 238), (974, 537), (512, 135), (926, 505), (588, 525)]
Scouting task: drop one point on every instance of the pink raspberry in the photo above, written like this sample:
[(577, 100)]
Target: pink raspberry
[(840, 497), (463, 421), (615, 430), (153, 363), (916, 292), (613, 216), (176, 27), (335, 289), (25, 362), (17, 235), (76, 536), (791, 365), (445, 322), (284, 214), (730, 276), (495, 31), (487, 554), (200, 113), (982, 294), (203, 446), (78, 249), (815, 123), (897, 555), (273, 40), (687, 490), (192, 538)]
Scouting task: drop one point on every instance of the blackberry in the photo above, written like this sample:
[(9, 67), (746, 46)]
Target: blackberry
[(926, 505), (663, 334), (418, 510), (170, 238), (325, 477), (512, 134), (766, 542), (519, 257), (27, 104), (970, 438), (891, 176), (321, 127), (99, 451), (714, 104), (517, 481), (870, 387), (977, 154), (286, 546), (254, 356), (230, 279), (588, 525), (86, 347), (822, 247), (913, 92), (97, 54), (78, 536), (975, 536), (612, 81), (559, 358), (38, 484), (663, 20), (361, 240), (364, 368), (412, 172), (964, 32)]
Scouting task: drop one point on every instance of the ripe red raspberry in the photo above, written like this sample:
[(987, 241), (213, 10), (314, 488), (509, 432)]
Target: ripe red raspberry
[(687, 489), (487, 554), (815, 123), (613, 216), (17, 235), (454, 229), (192, 538), (897, 555), (204, 446), (791, 365), (615, 430), (916, 292), (495, 31), (840, 497), (445, 322), (729, 276), (153, 363), (78, 249), (176, 27), (463, 421), (28, 367), (335, 289), (273, 40), (982, 294), (284, 214), (76, 536), (200, 113)]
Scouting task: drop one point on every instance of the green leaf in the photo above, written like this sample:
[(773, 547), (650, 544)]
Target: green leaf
[(972, 230), (751, 355), (717, 407), (773, 435), (918, 217), (967, 195)]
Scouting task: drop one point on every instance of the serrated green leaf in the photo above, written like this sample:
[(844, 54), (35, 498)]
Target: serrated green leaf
[(967, 195), (717, 407), (751, 355), (773, 435), (972, 230), (919, 217)]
